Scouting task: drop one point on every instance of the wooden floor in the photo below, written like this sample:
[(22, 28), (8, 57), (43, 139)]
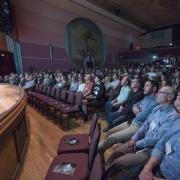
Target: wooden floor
[(44, 138)]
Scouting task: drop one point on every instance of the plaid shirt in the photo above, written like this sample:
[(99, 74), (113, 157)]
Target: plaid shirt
[(146, 105)]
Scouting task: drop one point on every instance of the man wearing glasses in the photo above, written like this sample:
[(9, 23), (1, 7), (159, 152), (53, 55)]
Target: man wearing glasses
[(138, 149)]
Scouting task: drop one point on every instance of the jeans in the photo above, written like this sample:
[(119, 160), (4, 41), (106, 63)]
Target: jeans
[(109, 108), (116, 118)]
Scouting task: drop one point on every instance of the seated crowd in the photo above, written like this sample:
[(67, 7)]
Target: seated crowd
[(141, 105)]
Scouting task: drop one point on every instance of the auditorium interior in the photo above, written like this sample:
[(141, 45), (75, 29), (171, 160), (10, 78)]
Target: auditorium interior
[(89, 89)]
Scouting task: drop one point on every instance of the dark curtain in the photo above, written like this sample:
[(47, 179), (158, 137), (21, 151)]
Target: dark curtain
[(6, 63)]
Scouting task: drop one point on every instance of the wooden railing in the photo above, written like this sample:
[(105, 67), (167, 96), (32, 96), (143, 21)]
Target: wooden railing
[(14, 131)]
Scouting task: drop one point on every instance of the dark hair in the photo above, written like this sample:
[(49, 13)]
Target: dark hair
[(99, 77), (154, 83)]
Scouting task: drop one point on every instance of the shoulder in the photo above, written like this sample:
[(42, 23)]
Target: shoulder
[(157, 108)]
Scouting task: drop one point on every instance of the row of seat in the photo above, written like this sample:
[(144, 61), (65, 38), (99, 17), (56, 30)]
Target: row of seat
[(83, 155), (52, 100)]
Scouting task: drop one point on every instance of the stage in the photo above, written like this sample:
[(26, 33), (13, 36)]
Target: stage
[(14, 131)]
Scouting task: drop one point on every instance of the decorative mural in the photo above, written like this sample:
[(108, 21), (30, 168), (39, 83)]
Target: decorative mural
[(82, 39)]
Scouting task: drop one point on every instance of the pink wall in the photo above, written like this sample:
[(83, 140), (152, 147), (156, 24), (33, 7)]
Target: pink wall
[(38, 57), (40, 23)]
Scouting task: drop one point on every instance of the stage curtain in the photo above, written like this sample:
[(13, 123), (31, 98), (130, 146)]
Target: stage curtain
[(6, 63)]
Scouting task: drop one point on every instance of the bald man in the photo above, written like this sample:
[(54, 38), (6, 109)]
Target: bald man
[(137, 150)]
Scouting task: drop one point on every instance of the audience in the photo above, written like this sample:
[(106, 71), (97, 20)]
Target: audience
[(97, 96), (88, 85), (164, 162), (81, 84), (141, 110), (29, 85), (142, 126), (125, 111), (74, 84), (137, 150), (121, 98)]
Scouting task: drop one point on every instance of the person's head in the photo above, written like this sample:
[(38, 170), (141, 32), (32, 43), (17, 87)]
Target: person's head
[(115, 76), (135, 84), (152, 69), (163, 77), (6, 78), (150, 87), (63, 78), (52, 76), (21, 76), (125, 80), (80, 79), (107, 79), (58, 79), (177, 101), (177, 74), (98, 79), (87, 78), (177, 80), (131, 70), (30, 77), (166, 95), (164, 83), (74, 79)]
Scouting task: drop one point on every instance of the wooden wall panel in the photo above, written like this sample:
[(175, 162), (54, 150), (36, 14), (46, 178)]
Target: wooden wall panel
[(8, 155)]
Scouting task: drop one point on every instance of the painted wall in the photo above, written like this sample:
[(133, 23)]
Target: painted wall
[(41, 22)]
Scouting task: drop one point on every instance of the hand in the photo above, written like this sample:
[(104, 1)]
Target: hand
[(113, 101), (136, 109), (120, 109), (132, 146), (88, 97), (115, 146), (146, 175)]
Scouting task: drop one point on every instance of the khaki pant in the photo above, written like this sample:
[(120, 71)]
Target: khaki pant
[(119, 134), (121, 160)]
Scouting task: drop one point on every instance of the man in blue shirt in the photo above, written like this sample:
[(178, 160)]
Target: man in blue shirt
[(125, 111), (121, 98), (166, 153), (123, 132), (138, 149)]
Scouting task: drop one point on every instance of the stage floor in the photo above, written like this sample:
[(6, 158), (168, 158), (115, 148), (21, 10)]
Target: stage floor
[(9, 97)]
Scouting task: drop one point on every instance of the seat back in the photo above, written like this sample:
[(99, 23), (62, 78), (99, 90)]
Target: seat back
[(36, 87), (44, 89), (53, 90), (78, 99), (40, 88), (57, 94), (63, 95), (48, 92), (70, 98), (93, 124), (97, 171), (94, 145)]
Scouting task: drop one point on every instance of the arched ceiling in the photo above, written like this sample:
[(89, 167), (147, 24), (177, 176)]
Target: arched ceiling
[(147, 14)]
